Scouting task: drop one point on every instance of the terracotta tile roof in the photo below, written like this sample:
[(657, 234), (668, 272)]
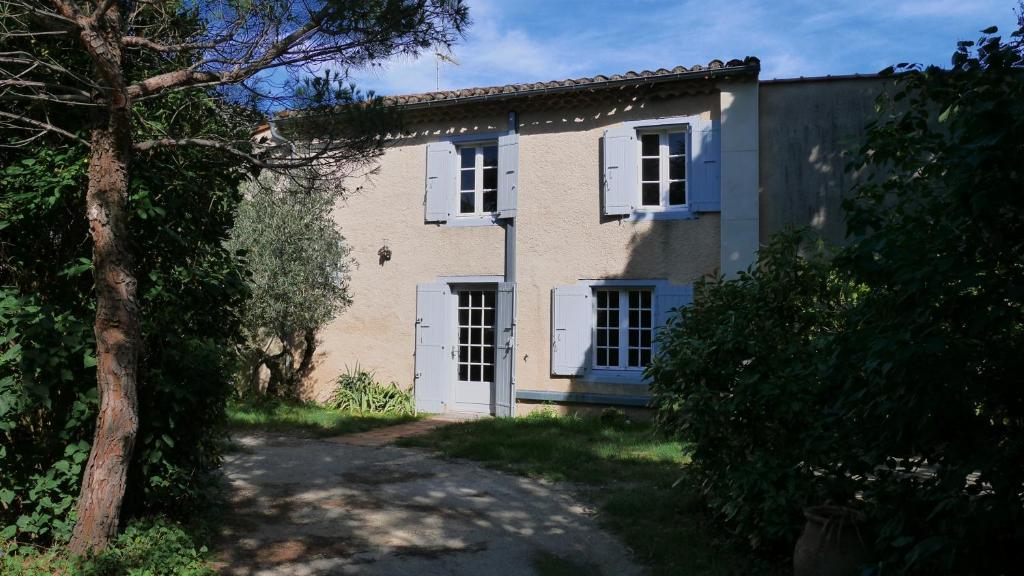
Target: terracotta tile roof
[(748, 65)]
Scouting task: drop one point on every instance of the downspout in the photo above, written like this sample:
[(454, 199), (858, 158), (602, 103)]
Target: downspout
[(510, 273)]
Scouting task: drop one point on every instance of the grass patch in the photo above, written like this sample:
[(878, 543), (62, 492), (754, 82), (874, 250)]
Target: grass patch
[(306, 418), (635, 477), (545, 564)]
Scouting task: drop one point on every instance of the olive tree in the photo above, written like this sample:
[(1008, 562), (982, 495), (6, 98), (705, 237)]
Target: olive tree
[(298, 275)]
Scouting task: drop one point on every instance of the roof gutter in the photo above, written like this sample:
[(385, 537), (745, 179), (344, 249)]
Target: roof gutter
[(748, 69)]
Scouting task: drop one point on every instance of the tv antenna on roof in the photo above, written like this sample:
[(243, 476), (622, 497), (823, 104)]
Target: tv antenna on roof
[(438, 58)]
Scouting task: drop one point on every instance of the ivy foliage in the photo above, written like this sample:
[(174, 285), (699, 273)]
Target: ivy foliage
[(887, 378)]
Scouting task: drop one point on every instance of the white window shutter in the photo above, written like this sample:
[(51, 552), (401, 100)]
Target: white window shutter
[(669, 299), (508, 175), (440, 181), (434, 366), (705, 166), (505, 349), (620, 171), (571, 315)]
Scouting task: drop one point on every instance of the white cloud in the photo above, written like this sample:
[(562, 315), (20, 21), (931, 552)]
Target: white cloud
[(535, 40)]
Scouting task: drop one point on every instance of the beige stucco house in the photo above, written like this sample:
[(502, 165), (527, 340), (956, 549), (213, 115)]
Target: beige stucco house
[(537, 235)]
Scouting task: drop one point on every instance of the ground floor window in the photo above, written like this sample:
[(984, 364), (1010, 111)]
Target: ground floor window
[(623, 326), (476, 335)]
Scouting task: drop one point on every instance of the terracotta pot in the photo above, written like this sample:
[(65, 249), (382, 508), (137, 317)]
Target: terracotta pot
[(833, 543)]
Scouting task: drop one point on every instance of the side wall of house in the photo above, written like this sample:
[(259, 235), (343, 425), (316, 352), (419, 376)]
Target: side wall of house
[(807, 129), (561, 238)]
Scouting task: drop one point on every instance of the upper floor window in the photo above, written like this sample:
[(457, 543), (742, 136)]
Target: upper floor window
[(478, 179), (663, 168)]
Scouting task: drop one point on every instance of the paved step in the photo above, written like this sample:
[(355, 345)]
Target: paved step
[(390, 434)]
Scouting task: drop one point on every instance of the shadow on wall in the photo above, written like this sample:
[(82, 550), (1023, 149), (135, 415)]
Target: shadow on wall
[(808, 132)]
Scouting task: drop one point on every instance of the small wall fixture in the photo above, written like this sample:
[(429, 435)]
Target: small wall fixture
[(384, 253)]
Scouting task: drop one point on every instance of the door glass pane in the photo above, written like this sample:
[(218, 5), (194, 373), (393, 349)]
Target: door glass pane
[(649, 144), (677, 193), (490, 155), (490, 178), (476, 336), (677, 143), (651, 194), (650, 171), (490, 201), (677, 168), (466, 202)]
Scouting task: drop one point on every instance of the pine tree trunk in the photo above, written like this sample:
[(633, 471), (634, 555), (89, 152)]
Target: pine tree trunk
[(118, 337)]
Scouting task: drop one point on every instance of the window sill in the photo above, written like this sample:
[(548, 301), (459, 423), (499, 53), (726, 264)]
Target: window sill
[(597, 376), (472, 221), (645, 215)]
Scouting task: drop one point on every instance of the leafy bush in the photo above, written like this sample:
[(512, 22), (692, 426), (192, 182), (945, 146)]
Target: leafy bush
[(190, 289), (152, 548), (892, 373), (739, 377), (930, 365), (358, 390)]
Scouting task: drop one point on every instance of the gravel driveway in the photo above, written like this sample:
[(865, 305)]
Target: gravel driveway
[(303, 506)]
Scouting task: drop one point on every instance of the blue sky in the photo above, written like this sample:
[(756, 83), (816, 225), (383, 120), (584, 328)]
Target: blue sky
[(533, 40)]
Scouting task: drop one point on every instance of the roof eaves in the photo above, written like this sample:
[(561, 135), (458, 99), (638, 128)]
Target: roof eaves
[(750, 66)]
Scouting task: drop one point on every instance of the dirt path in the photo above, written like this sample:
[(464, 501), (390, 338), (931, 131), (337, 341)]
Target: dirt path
[(303, 506)]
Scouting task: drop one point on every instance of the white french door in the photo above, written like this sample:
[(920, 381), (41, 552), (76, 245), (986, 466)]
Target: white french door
[(474, 352)]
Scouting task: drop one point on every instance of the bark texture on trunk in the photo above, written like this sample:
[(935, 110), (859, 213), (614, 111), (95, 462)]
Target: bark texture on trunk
[(118, 337)]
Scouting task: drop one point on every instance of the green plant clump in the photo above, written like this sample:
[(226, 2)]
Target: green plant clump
[(889, 378), (358, 391), (741, 379), (148, 548)]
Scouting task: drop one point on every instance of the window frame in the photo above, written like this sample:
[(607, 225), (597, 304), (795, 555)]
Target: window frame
[(664, 159), (478, 213), (623, 328)]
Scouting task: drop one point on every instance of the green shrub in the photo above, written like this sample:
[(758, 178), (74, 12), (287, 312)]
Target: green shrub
[(931, 364), (358, 391), (151, 548), (190, 289), (739, 376)]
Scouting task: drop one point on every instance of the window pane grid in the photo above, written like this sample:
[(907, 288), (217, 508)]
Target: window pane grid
[(606, 348), (478, 180), (663, 168), (629, 313), (476, 336), (641, 314), (650, 169)]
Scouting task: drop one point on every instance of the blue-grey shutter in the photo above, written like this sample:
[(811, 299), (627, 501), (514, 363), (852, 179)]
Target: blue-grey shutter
[(669, 299), (571, 313), (505, 352), (620, 171), (508, 175), (706, 166), (440, 181), (434, 366)]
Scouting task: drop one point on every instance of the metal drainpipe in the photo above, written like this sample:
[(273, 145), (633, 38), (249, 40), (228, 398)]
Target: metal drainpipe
[(510, 223), (510, 273)]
